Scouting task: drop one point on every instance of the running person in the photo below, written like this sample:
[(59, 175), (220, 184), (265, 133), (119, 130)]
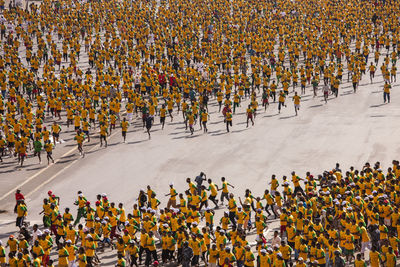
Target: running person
[(249, 113), (124, 128), (149, 123), (103, 134), (48, 146), (281, 104), (296, 98), (80, 137)]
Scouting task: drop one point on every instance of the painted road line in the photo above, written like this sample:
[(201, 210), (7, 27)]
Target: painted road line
[(36, 175), (63, 169), (44, 169)]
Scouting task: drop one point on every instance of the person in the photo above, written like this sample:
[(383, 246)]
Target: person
[(187, 254), (81, 202), (249, 112), (325, 90), (103, 134), (80, 137), (281, 100), (56, 129), (225, 190), (149, 123), (228, 116), (214, 192), (386, 92), (38, 148), (48, 147), (339, 260), (204, 119), (22, 212), (199, 181), (18, 196), (124, 128), (172, 196), (296, 98), (150, 249)]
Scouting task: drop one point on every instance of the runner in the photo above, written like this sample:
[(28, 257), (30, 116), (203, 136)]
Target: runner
[(296, 99)]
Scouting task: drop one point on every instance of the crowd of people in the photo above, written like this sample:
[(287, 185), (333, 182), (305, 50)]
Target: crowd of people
[(337, 218), (93, 65)]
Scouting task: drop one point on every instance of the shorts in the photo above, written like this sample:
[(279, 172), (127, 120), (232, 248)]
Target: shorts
[(86, 132), (56, 135), (11, 144), (77, 128), (123, 133)]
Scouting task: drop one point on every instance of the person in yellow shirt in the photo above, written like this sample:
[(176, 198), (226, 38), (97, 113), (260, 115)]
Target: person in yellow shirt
[(296, 98), (150, 248), (386, 92), (359, 262), (228, 116), (124, 128), (204, 118), (103, 134), (80, 137), (281, 100), (172, 196), (62, 256), (48, 147), (249, 259)]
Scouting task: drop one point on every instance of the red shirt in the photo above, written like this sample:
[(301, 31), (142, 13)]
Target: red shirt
[(19, 196)]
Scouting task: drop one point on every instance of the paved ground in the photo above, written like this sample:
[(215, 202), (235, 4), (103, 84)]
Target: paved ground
[(352, 129)]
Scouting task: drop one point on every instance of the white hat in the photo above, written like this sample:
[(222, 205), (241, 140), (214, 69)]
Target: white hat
[(68, 241), (349, 208), (126, 223), (106, 218), (1, 243), (103, 221), (263, 251), (46, 231), (88, 236), (171, 183), (269, 249), (285, 183), (358, 197), (103, 195), (344, 202), (301, 258), (279, 254), (374, 192), (194, 223), (80, 195), (339, 196)]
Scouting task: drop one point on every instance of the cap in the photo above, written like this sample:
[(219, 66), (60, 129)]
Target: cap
[(68, 241)]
